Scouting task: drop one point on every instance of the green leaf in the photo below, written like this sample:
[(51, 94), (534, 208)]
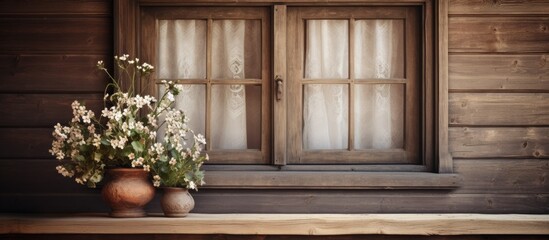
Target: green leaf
[(80, 158), (105, 142), (137, 146)]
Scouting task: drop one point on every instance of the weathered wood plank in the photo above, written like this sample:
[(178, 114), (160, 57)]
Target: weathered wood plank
[(499, 7), (499, 72), (25, 142), (503, 176), (498, 34), (56, 7), (499, 109), (259, 237), (510, 142), (490, 176), (56, 35), (52, 73), (43, 110), (298, 202), (291, 224)]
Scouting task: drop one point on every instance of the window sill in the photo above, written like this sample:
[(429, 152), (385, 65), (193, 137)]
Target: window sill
[(277, 224), (330, 180)]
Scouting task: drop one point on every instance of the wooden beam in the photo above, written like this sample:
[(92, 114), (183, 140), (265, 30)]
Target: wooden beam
[(281, 224)]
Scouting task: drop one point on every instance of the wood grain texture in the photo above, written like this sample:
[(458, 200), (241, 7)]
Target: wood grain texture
[(498, 34), (505, 142), (44, 110), (478, 176), (27, 7), (259, 237), (290, 224), (54, 35), (293, 201), (52, 73), (499, 72), (509, 109), (503, 176), (499, 7), (25, 142)]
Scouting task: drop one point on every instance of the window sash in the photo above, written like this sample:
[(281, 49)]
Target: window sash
[(148, 34), (414, 112)]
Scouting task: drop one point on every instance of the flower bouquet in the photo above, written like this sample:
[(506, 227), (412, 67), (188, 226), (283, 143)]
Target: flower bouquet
[(124, 135)]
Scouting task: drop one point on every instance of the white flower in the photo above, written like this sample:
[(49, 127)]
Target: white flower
[(63, 171), (191, 185), (156, 181), (147, 168), (131, 156), (172, 161)]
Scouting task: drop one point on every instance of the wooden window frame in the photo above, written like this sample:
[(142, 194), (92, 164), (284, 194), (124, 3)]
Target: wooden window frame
[(147, 51), (411, 82), (434, 173)]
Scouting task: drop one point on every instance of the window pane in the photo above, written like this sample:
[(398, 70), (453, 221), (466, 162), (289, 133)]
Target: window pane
[(379, 116), (192, 100), (379, 49), (325, 114), (181, 49), (327, 49), (236, 117), (236, 49)]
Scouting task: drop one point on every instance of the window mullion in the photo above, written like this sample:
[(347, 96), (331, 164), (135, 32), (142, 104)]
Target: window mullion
[(351, 85), (208, 82), (279, 85)]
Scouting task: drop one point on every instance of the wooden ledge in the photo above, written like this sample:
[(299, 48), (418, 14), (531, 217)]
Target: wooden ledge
[(278, 224)]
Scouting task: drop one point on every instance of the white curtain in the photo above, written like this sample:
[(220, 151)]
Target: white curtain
[(325, 107), (378, 107), (182, 55), (228, 101)]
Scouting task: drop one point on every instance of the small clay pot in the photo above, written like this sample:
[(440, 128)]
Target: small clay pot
[(127, 192), (176, 202)]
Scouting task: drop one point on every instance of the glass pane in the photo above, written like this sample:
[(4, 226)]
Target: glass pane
[(327, 49), (236, 49), (379, 116), (236, 117), (181, 49), (192, 100), (379, 49), (325, 114)]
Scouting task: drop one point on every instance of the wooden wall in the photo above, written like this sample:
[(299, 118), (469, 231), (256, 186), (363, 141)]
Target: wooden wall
[(48, 53), (499, 113)]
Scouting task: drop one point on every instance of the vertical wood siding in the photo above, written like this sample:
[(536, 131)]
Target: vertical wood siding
[(498, 114)]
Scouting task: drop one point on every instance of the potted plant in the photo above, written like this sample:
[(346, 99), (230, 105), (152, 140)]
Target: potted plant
[(176, 166), (121, 142)]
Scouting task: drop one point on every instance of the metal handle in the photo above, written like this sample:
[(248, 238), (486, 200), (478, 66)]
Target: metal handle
[(279, 87)]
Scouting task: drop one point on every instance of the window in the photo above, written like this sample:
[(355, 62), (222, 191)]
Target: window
[(305, 96)]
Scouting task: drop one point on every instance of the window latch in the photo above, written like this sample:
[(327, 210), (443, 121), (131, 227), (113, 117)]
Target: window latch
[(279, 87)]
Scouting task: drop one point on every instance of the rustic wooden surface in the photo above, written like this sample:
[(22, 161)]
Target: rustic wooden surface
[(481, 109), (499, 73), (499, 142), (498, 7), (263, 237), (499, 34), (282, 224)]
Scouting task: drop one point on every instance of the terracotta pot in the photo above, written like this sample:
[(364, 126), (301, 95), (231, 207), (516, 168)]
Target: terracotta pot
[(176, 202), (127, 192)]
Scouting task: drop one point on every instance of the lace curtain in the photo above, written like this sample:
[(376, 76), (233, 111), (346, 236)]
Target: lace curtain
[(378, 108), (182, 55)]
